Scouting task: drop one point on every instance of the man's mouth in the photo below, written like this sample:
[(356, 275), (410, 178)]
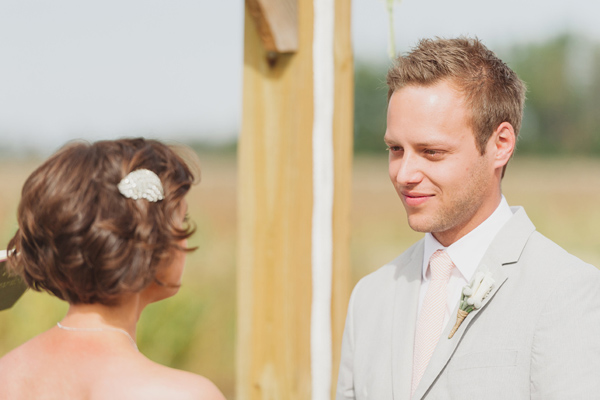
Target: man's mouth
[(413, 199)]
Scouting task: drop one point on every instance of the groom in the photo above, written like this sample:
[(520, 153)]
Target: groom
[(454, 114)]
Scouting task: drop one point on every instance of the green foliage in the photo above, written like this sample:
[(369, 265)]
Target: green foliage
[(370, 107), (222, 148), (563, 79)]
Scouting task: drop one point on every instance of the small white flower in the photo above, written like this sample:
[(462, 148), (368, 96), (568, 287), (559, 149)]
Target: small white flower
[(482, 291), (474, 284), (473, 295)]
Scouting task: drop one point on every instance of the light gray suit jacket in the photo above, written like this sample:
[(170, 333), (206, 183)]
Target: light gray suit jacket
[(537, 335)]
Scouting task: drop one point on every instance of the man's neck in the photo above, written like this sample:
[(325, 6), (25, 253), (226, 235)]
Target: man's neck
[(448, 237)]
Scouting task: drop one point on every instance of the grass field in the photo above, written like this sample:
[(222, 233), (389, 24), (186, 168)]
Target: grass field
[(195, 330)]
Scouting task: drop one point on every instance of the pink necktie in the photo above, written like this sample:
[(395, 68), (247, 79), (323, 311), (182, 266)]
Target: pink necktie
[(431, 318)]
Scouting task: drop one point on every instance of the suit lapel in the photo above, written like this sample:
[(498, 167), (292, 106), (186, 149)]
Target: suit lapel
[(406, 299), (505, 249), (445, 347)]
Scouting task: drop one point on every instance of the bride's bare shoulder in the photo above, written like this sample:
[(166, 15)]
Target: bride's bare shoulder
[(13, 365), (106, 375), (169, 383), (17, 358), (190, 386), (10, 360), (7, 363)]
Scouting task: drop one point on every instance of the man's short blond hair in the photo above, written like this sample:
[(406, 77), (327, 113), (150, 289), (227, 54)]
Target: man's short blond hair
[(492, 91)]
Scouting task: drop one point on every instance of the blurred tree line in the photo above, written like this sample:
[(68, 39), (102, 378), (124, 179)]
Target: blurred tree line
[(562, 111)]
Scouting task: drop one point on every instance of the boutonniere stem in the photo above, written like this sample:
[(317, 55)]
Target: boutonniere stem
[(472, 297)]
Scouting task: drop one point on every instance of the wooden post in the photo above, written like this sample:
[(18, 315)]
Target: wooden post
[(276, 22), (275, 206)]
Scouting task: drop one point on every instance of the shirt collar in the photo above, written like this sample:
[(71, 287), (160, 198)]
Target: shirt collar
[(467, 252)]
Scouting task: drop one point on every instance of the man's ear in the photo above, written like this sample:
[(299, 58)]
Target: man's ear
[(503, 143)]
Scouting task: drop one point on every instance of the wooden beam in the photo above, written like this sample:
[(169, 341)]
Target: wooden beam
[(274, 214), (277, 23), (275, 211), (343, 128)]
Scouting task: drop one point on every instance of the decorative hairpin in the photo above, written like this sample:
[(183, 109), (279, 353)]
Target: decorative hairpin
[(142, 184)]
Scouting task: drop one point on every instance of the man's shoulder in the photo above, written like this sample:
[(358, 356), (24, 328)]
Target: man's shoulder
[(550, 271), (542, 252), (520, 242)]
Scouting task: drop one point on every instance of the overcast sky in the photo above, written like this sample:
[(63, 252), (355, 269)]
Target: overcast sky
[(173, 68)]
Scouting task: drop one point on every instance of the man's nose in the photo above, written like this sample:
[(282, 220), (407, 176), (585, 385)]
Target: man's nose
[(408, 170)]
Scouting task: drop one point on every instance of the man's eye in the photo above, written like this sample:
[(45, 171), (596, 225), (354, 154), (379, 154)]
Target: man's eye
[(393, 148), (432, 153)]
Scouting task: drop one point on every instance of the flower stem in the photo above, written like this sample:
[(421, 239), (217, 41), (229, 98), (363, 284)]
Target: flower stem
[(391, 40)]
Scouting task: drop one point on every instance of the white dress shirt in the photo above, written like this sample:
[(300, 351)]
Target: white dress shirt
[(466, 253)]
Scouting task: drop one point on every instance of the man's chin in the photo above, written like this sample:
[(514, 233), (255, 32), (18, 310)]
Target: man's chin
[(418, 225)]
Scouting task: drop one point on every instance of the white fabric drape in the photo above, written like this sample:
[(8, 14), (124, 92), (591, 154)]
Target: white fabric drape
[(323, 181)]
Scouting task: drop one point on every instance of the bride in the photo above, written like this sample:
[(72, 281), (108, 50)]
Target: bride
[(101, 226)]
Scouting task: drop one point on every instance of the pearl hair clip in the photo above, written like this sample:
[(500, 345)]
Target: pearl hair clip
[(142, 184)]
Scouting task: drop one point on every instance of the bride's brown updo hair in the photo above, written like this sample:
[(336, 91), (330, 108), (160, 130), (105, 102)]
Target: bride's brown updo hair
[(80, 239)]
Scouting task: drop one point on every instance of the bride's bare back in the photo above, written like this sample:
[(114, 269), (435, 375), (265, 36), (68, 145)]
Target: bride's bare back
[(93, 366)]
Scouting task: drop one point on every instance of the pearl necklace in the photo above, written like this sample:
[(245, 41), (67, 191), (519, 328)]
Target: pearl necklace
[(123, 331)]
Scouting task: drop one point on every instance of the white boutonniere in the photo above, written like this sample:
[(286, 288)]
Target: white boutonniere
[(472, 297)]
